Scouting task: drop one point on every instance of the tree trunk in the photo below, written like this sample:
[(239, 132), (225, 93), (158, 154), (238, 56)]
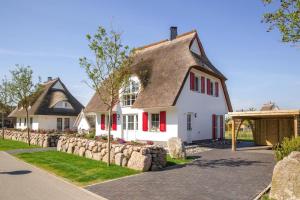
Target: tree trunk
[(108, 137), (3, 125), (27, 124)]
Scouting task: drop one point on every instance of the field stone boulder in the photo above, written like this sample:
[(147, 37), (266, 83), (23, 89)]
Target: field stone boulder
[(81, 151), (70, 148), (88, 154), (140, 162), (97, 156), (59, 143), (286, 178), (176, 148), (119, 157)]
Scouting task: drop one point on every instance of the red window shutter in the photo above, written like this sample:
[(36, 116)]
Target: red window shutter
[(202, 84), (217, 89), (192, 81), (221, 127), (208, 87), (114, 122), (214, 117), (162, 121), (102, 122), (145, 121)]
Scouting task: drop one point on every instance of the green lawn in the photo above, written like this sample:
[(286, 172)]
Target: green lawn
[(11, 144), (243, 136), (172, 161), (81, 171)]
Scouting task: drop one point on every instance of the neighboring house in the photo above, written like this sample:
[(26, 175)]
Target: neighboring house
[(174, 91), (84, 123), (54, 109), (269, 106), (4, 112)]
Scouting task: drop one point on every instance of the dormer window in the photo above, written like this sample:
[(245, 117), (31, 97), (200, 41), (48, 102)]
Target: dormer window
[(130, 93), (63, 104)]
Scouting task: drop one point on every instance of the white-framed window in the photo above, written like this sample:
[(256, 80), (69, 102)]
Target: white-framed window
[(20, 121), (59, 124), (66, 123), (25, 122), (63, 104), (130, 122), (197, 84), (130, 93), (189, 121), (31, 122), (212, 85), (154, 122)]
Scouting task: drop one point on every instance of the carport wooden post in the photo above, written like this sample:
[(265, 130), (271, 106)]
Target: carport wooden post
[(233, 139), (296, 126)]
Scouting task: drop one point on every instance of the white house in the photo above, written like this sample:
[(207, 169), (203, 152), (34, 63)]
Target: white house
[(174, 91), (54, 109)]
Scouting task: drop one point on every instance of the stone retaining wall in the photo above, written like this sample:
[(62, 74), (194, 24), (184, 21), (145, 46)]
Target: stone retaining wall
[(144, 158), (43, 140)]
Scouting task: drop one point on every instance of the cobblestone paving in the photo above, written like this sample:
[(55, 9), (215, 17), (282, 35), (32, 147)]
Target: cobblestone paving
[(218, 174)]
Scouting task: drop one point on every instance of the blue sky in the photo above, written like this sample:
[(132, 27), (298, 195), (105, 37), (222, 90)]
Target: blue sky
[(50, 37)]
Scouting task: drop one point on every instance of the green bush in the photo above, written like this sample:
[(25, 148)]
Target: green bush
[(90, 135), (286, 147)]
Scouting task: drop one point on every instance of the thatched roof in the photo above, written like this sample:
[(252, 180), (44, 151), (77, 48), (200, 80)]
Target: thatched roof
[(166, 64), (269, 106), (48, 97)]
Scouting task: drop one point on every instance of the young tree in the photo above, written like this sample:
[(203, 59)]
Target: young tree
[(110, 70), (286, 18), (5, 100), (23, 90)]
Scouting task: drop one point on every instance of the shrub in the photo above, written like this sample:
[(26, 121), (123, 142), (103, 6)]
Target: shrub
[(90, 135), (286, 147)]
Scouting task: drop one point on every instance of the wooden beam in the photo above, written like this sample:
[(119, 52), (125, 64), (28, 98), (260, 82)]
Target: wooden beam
[(296, 126), (233, 139)]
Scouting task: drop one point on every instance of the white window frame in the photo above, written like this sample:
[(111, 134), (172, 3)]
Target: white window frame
[(197, 83), (130, 93), (212, 89), (152, 128), (125, 123), (189, 122)]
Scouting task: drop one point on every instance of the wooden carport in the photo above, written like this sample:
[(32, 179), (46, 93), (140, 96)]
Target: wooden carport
[(268, 127)]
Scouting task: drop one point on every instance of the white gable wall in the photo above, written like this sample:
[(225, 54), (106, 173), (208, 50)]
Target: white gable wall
[(58, 85), (83, 124), (195, 47), (202, 105)]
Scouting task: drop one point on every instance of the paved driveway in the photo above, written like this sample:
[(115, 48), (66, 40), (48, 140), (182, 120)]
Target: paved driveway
[(21, 181), (218, 174)]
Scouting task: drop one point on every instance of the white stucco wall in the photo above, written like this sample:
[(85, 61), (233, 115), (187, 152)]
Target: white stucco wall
[(47, 122), (171, 124), (201, 105), (35, 124)]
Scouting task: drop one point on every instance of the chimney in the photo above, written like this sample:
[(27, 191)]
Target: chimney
[(49, 78), (173, 32)]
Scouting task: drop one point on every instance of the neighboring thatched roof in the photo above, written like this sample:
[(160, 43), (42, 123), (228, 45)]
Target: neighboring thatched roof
[(48, 97), (269, 106), (163, 68)]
